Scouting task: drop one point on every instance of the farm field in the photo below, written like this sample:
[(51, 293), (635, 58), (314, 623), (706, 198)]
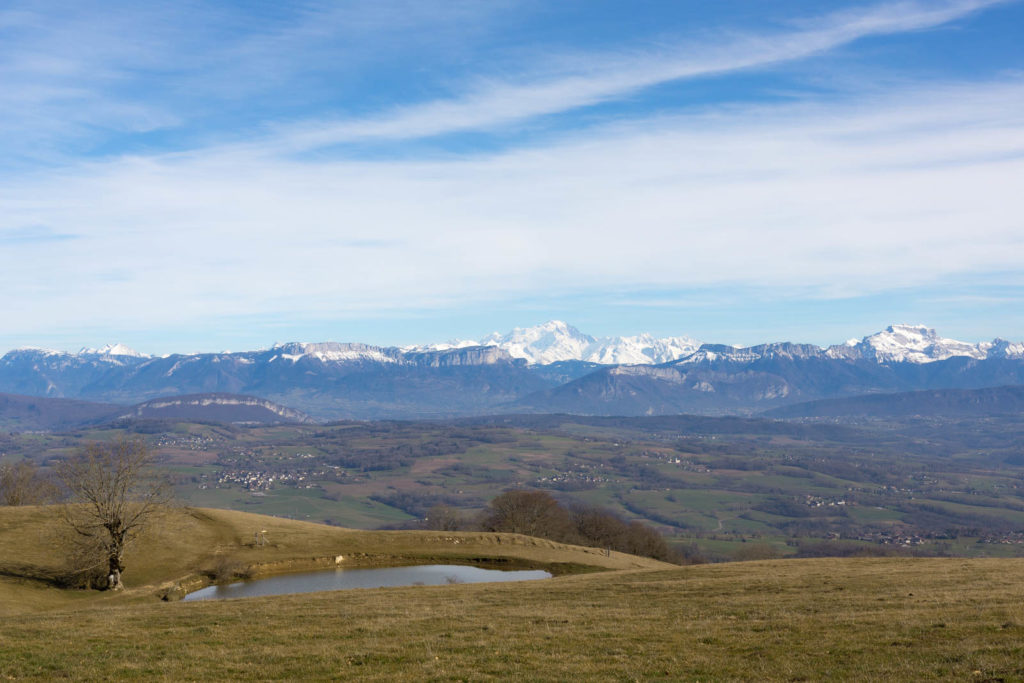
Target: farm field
[(714, 487)]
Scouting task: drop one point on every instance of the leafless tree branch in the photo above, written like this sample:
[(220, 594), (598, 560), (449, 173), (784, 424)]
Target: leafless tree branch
[(113, 496)]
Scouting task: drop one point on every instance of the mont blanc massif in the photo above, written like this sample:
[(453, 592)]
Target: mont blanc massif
[(550, 368)]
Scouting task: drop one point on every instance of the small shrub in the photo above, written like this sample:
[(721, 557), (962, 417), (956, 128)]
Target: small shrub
[(227, 569)]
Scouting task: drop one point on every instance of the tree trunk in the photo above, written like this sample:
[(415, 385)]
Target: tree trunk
[(114, 577)]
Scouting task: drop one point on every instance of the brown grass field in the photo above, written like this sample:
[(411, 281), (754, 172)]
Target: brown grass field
[(849, 619)]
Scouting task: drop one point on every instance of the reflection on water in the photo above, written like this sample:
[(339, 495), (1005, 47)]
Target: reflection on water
[(341, 579)]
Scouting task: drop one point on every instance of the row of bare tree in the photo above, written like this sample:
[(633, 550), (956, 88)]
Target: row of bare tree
[(23, 484), (538, 513)]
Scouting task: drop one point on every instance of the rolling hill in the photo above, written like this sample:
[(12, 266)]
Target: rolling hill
[(863, 619), (32, 413)]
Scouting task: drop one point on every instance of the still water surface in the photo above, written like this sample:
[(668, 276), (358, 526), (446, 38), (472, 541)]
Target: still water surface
[(341, 579)]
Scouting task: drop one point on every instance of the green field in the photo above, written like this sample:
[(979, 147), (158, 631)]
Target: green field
[(920, 487)]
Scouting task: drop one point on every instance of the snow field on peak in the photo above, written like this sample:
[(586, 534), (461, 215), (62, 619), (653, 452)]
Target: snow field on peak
[(919, 344), (556, 341), (113, 350)]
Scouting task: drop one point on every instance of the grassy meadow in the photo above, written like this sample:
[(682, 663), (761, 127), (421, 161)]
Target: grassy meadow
[(811, 619)]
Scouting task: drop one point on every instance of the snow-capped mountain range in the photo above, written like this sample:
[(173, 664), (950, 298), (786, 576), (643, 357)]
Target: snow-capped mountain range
[(916, 344), (549, 368), (556, 341)]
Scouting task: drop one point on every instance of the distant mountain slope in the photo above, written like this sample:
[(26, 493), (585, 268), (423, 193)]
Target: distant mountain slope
[(935, 403), (327, 380), (715, 381)]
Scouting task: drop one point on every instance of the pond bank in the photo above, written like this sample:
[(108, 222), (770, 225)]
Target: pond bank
[(349, 579), (226, 570)]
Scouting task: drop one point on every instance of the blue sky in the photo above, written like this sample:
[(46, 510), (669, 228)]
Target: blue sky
[(200, 176)]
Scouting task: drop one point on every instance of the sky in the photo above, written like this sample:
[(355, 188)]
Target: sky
[(202, 176)]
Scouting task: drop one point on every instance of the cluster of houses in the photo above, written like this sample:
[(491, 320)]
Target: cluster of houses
[(186, 442), (261, 480), (893, 537), (572, 477), (674, 459), (824, 501), (1008, 538)]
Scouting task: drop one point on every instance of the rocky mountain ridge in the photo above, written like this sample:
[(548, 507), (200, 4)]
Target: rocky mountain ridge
[(333, 380), (556, 341), (35, 413)]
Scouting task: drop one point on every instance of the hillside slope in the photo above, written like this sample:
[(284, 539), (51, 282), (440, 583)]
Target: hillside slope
[(186, 542), (960, 403)]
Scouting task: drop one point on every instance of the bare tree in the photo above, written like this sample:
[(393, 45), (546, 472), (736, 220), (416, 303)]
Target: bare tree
[(113, 497), (444, 518), (22, 484), (534, 513)]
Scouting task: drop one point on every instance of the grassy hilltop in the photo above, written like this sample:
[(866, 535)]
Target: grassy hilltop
[(865, 619), (188, 543)]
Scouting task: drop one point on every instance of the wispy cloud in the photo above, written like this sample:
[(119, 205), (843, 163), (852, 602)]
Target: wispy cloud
[(819, 198), (33, 234), (82, 77), (849, 198), (497, 103)]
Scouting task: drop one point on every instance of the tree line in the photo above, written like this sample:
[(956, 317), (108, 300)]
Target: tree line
[(538, 513)]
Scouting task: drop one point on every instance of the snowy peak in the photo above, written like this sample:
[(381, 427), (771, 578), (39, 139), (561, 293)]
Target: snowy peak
[(909, 344), (113, 350), (640, 350), (556, 341), (1000, 348), (550, 342)]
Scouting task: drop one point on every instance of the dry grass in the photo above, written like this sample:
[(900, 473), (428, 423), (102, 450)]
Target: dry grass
[(872, 619), (853, 619), (186, 542)]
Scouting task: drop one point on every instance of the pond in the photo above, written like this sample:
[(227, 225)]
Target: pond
[(342, 579)]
